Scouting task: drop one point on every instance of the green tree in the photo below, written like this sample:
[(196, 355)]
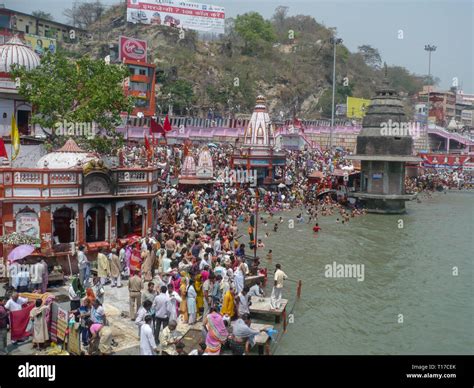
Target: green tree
[(85, 91), (256, 32), (371, 56), (42, 15), (178, 94)]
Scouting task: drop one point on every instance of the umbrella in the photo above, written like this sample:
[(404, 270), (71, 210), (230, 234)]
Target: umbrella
[(21, 252), (212, 145), (281, 186)]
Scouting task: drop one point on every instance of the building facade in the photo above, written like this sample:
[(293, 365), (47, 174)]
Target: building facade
[(71, 198)]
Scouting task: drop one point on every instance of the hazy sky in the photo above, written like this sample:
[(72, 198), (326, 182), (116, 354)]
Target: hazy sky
[(448, 24)]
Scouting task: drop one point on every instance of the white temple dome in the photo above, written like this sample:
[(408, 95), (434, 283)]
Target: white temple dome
[(205, 166), (259, 131), (189, 166), (70, 155), (16, 52)]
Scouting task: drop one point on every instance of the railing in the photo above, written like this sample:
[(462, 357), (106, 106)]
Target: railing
[(27, 178), (61, 178), (132, 176)]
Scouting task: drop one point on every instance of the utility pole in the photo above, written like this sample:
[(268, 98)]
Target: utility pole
[(335, 41), (430, 49)]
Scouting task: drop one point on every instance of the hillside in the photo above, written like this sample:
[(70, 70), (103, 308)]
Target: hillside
[(225, 74)]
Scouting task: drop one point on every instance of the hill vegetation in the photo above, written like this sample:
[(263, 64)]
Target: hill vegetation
[(288, 59)]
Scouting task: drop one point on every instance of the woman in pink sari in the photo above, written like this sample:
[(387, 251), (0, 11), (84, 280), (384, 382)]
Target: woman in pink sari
[(216, 332)]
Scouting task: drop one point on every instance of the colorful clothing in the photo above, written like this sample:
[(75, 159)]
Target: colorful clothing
[(216, 333), (228, 307)]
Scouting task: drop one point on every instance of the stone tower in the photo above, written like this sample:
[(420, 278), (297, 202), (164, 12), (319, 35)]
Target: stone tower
[(384, 145)]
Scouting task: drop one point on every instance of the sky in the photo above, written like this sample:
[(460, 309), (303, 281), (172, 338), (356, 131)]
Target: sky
[(447, 24)]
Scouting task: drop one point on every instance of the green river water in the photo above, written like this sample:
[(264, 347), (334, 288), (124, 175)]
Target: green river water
[(408, 271)]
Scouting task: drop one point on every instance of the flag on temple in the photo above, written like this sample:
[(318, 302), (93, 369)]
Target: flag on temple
[(167, 124), (15, 136), (3, 150)]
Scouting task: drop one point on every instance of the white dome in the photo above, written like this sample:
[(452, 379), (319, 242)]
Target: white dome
[(63, 160), (16, 52), (68, 156)]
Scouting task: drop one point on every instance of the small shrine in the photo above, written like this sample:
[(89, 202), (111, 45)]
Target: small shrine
[(200, 174)]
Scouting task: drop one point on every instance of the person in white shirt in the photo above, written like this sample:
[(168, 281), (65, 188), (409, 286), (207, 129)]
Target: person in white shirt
[(161, 309), (276, 296), (15, 302), (143, 311), (243, 300), (166, 264), (36, 275), (256, 290), (174, 302), (204, 262), (147, 340)]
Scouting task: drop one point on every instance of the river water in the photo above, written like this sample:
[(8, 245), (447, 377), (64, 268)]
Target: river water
[(407, 271)]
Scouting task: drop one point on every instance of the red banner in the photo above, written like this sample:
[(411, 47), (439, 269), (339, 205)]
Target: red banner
[(132, 49), (445, 159)]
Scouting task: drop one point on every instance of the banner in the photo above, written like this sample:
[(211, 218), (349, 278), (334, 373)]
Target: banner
[(444, 160), (176, 13), (132, 49), (40, 44), (357, 107)]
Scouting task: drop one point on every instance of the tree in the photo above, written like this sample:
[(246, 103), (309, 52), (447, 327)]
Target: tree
[(85, 91), (256, 32), (371, 56), (85, 14), (42, 15), (278, 19), (179, 94)]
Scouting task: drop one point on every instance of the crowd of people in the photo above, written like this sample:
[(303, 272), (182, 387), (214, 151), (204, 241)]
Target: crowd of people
[(193, 266)]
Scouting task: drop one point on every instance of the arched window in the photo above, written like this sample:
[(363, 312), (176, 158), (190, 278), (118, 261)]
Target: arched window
[(64, 226), (96, 224), (130, 221)]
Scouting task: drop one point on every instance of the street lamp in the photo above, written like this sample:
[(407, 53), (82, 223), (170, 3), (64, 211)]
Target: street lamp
[(430, 49), (335, 41)]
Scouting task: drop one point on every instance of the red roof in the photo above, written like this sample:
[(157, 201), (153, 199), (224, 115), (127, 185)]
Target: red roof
[(71, 146)]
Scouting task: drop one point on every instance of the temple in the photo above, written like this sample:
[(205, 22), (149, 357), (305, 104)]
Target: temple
[(72, 198), (257, 150), (383, 154), (200, 174)]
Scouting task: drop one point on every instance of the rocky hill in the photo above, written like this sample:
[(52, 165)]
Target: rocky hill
[(292, 68)]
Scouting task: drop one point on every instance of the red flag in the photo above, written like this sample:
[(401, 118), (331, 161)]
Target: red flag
[(149, 148), (156, 127), (167, 124), (3, 150)]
